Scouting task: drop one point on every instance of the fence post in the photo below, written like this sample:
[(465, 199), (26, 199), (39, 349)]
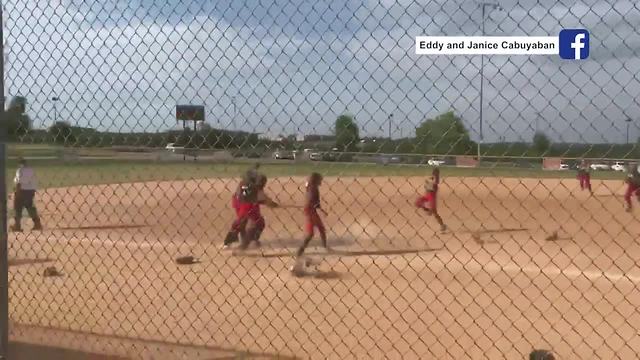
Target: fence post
[(4, 255)]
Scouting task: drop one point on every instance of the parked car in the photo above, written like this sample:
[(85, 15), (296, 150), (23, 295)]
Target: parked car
[(618, 166), (599, 166), (564, 167), (389, 159), (435, 162), (315, 156), (283, 155), (173, 148)]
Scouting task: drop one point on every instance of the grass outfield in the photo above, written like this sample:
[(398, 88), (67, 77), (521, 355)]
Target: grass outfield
[(56, 173)]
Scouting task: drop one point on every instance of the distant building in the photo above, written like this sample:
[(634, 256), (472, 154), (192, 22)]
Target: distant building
[(270, 137), (320, 138)]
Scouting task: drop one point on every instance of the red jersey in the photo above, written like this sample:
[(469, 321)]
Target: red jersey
[(313, 198)]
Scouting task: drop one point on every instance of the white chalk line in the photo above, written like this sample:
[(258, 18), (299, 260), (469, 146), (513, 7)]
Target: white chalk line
[(474, 266), (119, 243), (570, 272)]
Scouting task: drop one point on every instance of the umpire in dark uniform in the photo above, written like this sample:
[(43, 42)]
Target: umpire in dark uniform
[(26, 185)]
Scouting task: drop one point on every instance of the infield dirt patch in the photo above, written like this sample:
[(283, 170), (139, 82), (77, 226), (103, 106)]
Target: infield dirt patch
[(492, 286)]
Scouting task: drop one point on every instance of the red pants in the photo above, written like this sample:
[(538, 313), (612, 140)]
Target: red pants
[(632, 189), (428, 201), (244, 213), (313, 221), (585, 181), (255, 215)]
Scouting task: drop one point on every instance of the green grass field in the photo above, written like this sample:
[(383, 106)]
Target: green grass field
[(57, 173)]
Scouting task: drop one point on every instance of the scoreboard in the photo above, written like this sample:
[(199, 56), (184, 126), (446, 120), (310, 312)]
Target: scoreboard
[(190, 112)]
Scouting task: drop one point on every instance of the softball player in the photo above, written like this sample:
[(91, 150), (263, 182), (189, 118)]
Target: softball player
[(584, 176), (313, 220), (243, 201), (429, 201), (633, 185), (256, 222)]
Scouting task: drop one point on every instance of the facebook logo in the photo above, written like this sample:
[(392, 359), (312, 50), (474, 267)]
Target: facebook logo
[(574, 44)]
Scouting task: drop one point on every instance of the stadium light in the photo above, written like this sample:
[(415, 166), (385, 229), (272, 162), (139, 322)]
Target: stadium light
[(55, 100), (484, 6)]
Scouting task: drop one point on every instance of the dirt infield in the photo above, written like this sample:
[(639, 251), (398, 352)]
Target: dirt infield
[(492, 287)]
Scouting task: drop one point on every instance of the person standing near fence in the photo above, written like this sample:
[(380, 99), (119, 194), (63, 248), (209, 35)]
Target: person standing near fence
[(25, 186), (584, 176)]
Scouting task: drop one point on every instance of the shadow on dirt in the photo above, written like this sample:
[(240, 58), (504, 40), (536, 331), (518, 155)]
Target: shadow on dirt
[(102, 227)]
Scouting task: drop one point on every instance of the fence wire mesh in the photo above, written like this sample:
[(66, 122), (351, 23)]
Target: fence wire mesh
[(529, 247)]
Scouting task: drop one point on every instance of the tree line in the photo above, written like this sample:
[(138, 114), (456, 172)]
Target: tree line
[(444, 134)]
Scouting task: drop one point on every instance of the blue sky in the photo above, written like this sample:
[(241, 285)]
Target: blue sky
[(294, 66)]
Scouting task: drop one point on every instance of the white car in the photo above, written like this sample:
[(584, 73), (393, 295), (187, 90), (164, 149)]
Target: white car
[(315, 156), (171, 147), (564, 167), (618, 166), (281, 154), (434, 162), (599, 167)]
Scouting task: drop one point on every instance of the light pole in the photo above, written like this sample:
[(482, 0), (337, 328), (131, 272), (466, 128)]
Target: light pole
[(390, 121), (628, 122), (233, 121), (55, 100), (4, 259), (484, 6)]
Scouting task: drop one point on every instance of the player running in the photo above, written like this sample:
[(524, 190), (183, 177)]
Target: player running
[(429, 201), (633, 185), (313, 220)]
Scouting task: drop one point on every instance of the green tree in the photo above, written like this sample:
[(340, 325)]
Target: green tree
[(61, 132), (347, 133), (541, 143), (370, 147), (405, 147), (17, 121), (204, 128), (445, 134)]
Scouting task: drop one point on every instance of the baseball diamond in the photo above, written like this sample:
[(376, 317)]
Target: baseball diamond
[(415, 179)]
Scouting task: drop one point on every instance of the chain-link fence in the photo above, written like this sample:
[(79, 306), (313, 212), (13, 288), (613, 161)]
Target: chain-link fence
[(141, 120)]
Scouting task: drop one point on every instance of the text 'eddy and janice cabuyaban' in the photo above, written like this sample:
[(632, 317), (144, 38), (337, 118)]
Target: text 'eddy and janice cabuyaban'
[(486, 45)]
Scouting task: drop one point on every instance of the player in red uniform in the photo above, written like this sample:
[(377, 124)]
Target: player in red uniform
[(633, 185), (313, 220), (429, 201), (250, 175), (243, 202), (584, 176), (256, 222)]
